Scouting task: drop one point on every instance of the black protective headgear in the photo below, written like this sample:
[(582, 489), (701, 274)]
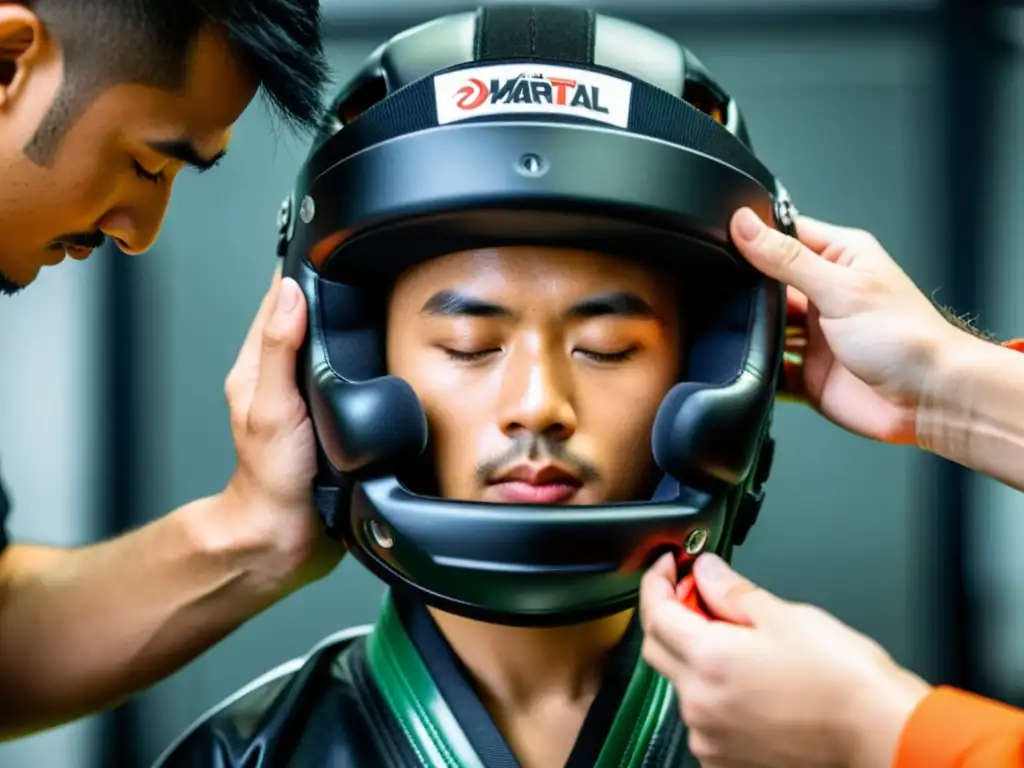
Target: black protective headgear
[(549, 126)]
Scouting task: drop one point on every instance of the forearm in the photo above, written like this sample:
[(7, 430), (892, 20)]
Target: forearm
[(972, 409), (81, 630)]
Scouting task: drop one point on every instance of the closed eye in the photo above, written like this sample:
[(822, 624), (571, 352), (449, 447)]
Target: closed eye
[(469, 357), (608, 357), (142, 173)]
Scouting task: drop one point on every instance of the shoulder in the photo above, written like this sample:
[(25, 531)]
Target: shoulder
[(253, 724)]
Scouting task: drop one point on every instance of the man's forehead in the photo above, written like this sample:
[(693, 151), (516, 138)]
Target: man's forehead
[(511, 283), (540, 269), (216, 93), (218, 88)]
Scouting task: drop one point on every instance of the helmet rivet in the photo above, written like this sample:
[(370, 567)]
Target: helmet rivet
[(284, 215), (785, 212), (307, 210), (380, 534), (696, 541), (531, 164)]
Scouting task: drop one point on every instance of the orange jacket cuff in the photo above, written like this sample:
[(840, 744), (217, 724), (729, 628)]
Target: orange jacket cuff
[(955, 729)]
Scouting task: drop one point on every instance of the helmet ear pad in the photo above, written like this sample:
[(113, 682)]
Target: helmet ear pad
[(366, 421), (707, 430)]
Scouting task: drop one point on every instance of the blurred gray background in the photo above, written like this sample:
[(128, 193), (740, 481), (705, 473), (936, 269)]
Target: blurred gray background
[(851, 103)]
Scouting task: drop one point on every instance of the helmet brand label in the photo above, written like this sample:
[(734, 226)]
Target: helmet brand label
[(507, 89)]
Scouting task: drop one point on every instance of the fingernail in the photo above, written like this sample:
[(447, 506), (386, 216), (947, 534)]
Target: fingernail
[(712, 568), (748, 225), (287, 297)]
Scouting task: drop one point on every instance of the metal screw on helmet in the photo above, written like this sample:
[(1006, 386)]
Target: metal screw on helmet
[(532, 164), (785, 211), (307, 210), (380, 534), (696, 541), (284, 215)]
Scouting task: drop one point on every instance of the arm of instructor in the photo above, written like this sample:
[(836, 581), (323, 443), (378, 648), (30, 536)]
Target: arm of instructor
[(954, 729), (81, 630), (769, 682), (882, 361), (967, 407)]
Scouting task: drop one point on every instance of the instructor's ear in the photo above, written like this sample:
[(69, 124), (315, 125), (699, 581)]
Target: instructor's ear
[(22, 37)]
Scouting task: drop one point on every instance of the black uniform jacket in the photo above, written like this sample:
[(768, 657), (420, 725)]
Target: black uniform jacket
[(396, 696)]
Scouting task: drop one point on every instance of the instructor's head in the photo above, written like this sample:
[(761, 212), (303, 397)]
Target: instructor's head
[(103, 102)]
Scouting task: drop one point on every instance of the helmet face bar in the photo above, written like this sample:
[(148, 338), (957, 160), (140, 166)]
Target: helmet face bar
[(442, 146)]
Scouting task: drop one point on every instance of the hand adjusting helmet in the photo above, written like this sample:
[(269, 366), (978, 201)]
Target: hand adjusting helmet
[(548, 126)]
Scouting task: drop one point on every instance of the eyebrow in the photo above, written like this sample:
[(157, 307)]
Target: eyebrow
[(455, 304), (185, 151), (618, 303)]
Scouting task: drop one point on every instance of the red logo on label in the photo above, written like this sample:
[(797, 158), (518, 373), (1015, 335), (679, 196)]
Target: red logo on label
[(472, 94)]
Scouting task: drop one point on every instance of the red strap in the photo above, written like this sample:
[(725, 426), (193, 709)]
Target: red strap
[(687, 593)]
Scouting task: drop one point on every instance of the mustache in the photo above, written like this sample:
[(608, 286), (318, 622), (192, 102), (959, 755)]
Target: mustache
[(94, 239), (7, 286), (536, 448)]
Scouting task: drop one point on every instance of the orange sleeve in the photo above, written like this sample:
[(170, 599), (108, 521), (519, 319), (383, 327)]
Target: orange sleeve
[(954, 729)]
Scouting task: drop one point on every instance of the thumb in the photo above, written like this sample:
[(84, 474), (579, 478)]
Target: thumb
[(282, 336), (786, 259), (731, 597)]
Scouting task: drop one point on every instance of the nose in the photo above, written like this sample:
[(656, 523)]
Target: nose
[(135, 227), (537, 396)]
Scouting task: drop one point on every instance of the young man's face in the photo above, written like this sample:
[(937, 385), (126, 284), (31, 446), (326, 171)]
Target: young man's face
[(113, 171), (540, 371)]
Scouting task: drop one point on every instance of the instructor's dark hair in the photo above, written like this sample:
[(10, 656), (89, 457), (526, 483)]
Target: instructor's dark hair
[(149, 42)]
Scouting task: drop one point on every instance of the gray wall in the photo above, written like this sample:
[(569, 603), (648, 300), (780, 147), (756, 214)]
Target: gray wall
[(842, 115), (49, 412)]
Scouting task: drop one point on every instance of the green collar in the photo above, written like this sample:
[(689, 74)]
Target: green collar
[(438, 740)]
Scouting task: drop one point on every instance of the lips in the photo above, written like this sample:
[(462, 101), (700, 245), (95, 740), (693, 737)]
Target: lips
[(528, 484)]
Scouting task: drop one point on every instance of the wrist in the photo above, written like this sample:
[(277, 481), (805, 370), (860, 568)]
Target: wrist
[(945, 408), (247, 541), (880, 714)]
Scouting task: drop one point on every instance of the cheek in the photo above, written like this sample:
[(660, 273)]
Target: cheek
[(89, 177), (71, 196), (623, 454), (454, 451), (459, 417), (621, 436)]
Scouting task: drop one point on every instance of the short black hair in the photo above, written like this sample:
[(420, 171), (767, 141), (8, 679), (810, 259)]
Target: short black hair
[(149, 42)]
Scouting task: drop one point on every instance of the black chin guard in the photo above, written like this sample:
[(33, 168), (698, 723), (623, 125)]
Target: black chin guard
[(392, 189)]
